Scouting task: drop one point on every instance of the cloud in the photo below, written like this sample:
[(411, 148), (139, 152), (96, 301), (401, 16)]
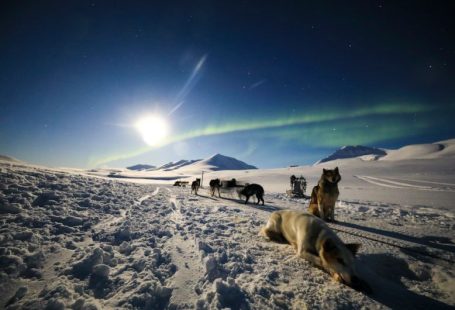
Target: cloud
[(257, 84), (189, 84)]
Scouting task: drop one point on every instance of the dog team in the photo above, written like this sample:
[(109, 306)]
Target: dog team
[(307, 232)]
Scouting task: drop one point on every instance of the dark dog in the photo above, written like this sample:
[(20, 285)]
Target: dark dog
[(195, 186), (229, 183), (253, 189), (215, 184)]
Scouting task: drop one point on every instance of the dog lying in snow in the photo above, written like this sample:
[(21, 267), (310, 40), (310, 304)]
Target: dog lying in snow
[(314, 241)]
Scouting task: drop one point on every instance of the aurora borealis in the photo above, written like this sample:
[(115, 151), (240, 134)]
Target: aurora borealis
[(327, 129), (269, 85)]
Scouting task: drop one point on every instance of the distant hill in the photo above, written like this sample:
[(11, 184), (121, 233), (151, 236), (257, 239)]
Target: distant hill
[(352, 151), (140, 167)]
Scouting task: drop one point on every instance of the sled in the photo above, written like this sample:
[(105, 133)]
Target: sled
[(298, 187)]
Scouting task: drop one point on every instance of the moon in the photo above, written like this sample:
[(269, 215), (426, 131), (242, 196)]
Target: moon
[(153, 129)]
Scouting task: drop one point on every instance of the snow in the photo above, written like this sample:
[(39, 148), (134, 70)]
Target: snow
[(78, 239)]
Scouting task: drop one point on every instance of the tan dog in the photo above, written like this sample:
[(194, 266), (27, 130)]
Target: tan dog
[(325, 195), (314, 241)]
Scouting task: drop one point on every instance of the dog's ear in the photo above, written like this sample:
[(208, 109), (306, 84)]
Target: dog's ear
[(324, 170), (328, 245), (353, 247), (336, 169)]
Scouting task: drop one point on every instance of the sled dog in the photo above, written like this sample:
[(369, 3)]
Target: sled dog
[(314, 241), (195, 186), (325, 195), (215, 184), (253, 189)]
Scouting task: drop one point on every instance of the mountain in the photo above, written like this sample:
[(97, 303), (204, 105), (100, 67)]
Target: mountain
[(8, 158), (351, 151), (441, 149), (140, 167), (176, 165), (221, 162), (213, 163)]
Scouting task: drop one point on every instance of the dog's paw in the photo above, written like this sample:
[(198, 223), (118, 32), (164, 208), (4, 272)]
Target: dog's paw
[(337, 278)]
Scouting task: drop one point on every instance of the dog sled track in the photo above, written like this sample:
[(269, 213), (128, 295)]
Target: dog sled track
[(434, 251), (407, 184), (187, 259), (124, 213)]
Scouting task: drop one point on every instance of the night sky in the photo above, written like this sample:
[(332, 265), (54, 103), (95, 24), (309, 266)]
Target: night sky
[(272, 83)]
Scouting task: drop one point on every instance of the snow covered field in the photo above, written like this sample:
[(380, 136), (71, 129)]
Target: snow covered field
[(70, 240)]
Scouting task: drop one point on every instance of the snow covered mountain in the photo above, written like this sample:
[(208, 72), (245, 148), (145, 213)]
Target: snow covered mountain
[(178, 164), (8, 158), (213, 163), (220, 162), (441, 149), (351, 151), (140, 167)]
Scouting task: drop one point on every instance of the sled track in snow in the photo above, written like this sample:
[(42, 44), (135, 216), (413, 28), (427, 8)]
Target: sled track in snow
[(185, 256), (405, 246), (407, 184)]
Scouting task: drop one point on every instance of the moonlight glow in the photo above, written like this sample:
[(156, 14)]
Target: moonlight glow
[(153, 129)]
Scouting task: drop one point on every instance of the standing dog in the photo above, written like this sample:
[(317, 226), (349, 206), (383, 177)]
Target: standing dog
[(195, 186), (325, 195), (314, 241), (253, 189), (215, 184)]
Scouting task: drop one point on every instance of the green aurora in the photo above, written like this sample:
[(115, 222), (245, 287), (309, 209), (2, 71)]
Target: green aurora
[(331, 128)]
